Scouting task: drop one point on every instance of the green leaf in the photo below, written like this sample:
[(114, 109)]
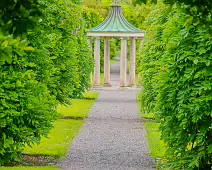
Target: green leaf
[(29, 49), (22, 44)]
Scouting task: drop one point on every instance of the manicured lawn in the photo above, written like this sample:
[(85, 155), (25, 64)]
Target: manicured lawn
[(28, 168), (157, 146), (91, 95), (78, 109), (60, 139)]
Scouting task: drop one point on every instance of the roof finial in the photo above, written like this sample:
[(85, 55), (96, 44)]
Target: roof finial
[(115, 2)]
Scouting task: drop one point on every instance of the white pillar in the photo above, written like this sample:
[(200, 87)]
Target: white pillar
[(107, 62), (90, 48), (123, 62), (132, 62), (97, 62)]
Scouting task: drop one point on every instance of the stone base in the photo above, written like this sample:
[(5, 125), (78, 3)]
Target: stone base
[(132, 85), (96, 86), (107, 85)]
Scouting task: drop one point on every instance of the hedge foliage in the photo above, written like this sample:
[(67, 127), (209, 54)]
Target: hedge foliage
[(64, 52), (44, 61), (176, 69)]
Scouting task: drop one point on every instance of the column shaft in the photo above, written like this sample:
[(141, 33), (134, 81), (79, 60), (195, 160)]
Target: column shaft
[(123, 64), (97, 63), (132, 62), (107, 62)]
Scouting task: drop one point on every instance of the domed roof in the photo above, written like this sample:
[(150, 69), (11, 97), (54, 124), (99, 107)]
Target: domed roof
[(115, 25)]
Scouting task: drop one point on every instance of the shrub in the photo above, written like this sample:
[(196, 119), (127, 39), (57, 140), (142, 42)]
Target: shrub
[(34, 79), (16, 16), (65, 51), (26, 106), (149, 60), (176, 66), (185, 96)]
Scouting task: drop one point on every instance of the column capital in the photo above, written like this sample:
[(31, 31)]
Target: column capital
[(132, 38), (140, 38), (106, 38), (97, 38), (124, 38)]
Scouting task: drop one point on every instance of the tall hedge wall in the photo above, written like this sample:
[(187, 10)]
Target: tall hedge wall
[(44, 61), (176, 69)]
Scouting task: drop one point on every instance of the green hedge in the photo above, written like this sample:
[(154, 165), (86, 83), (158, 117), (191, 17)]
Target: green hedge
[(64, 60), (176, 69), (185, 93), (44, 61)]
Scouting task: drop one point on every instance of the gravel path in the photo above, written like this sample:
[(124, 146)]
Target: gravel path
[(113, 137)]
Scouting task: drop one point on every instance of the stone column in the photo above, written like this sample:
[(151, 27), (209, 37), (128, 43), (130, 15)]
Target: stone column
[(132, 62), (123, 62), (107, 63), (90, 48), (97, 62)]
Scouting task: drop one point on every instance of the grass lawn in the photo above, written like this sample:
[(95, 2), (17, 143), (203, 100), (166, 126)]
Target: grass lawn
[(59, 141), (61, 137), (91, 95), (29, 168), (78, 109), (157, 146)]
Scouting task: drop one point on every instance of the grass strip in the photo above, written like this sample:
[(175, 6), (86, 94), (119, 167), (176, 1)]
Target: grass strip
[(77, 109), (59, 141), (91, 95), (61, 137), (157, 146)]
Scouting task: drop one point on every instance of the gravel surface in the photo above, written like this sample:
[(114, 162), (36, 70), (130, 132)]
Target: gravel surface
[(113, 137)]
